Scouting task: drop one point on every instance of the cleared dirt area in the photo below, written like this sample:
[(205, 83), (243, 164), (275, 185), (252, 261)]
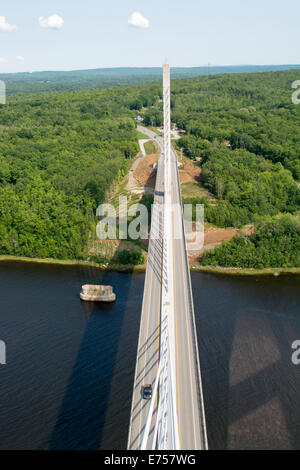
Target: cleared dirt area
[(190, 179), (189, 175), (145, 174), (214, 236), (190, 172)]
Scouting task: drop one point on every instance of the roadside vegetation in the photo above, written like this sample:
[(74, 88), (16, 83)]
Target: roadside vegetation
[(59, 155), (245, 131), (150, 147), (275, 243), (63, 153)]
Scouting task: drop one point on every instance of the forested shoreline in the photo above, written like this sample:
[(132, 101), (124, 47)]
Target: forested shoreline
[(60, 153), (245, 130)]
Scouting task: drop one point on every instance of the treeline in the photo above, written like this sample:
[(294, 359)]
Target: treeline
[(34, 82), (246, 185), (275, 243), (59, 154), (245, 129), (250, 112)]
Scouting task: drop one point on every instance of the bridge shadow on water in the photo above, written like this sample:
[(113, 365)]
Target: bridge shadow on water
[(251, 388), (245, 330), (91, 409), (84, 411)]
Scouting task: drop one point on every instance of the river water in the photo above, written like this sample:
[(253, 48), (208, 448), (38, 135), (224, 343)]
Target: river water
[(70, 365)]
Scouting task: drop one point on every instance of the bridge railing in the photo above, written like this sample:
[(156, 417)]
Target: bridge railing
[(192, 315)]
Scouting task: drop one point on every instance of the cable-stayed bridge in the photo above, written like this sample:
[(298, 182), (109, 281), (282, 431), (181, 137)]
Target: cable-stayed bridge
[(167, 355)]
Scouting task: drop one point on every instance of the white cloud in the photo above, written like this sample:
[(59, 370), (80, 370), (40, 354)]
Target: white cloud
[(3, 60), (4, 26), (138, 20), (20, 58), (53, 22)]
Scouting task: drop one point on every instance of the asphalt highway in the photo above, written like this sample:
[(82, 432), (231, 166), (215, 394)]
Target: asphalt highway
[(190, 405)]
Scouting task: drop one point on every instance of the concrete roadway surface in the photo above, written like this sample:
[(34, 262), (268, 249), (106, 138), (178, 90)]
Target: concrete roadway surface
[(190, 407), (149, 337)]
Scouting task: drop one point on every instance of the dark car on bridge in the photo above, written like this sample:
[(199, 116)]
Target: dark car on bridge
[(147, 392)]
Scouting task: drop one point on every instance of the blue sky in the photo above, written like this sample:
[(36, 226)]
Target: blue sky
[(96, 33)]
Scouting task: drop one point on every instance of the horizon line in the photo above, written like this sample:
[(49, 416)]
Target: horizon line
[(208, 65)]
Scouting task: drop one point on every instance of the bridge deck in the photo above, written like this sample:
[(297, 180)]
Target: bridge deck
[(191, 419)]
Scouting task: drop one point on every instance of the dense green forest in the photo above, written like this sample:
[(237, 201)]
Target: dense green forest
[(60, 152), (246, 130), (34, 82), (275, 243), (252, 112), (248, 121)]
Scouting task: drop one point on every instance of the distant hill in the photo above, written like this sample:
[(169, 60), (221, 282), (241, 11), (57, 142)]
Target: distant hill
[(114, 77)]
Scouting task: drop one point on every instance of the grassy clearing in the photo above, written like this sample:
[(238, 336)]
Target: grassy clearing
[(142, 136), (103, 252), (192, 189), (150, 147)]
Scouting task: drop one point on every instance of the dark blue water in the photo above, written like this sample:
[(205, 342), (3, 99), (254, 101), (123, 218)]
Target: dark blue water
[(70, 365)]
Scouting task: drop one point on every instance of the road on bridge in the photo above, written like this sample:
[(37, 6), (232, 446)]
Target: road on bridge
[(190, 406)]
